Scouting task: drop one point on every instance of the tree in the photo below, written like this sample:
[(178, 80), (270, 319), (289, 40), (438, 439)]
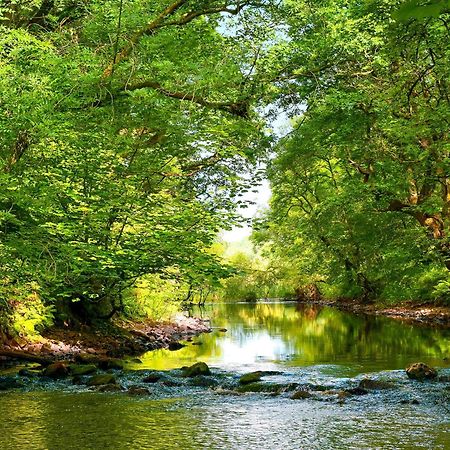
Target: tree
[(363, 177), (125, 129)]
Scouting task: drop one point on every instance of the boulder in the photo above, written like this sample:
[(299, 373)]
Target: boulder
[(98, 380), (420, 371), (56, 370), (82, 369), (196, 369)]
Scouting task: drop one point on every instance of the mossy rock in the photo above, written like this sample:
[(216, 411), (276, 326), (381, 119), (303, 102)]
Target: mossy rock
[(251, 377), (111, 363), (196, 369), (98, 380), (82, 369)]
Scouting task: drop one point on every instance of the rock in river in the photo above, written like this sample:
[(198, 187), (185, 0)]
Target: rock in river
[(420, 371), (98, 380), (251, 377), (57, 370), (300, 395), (7, 383), (82, 369), (137, 391), (196, 369)]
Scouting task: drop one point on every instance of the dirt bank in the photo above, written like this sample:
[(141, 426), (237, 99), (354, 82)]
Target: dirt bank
[(431, 315), (114, 340)]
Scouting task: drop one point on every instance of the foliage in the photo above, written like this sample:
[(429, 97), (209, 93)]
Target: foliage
[(360, 185), (125, 129)]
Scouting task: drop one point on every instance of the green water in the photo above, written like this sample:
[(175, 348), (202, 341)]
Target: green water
[(307, 344)]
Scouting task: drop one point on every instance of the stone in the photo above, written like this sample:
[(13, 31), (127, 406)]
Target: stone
[(171, 383), (137, 391), (174, 345), (420, 371), (7, 383), (357, 391), (29, 373), (111, 363), (56, 370), (98, 380), (375, 385), (203, 381), (257, 387), (251, 377), (300, 395), (152, 378), (82, 369), (196, 369), (110, 388)]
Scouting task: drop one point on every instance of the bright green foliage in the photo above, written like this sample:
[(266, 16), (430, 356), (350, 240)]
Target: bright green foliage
[(361, 185), (124, 129)]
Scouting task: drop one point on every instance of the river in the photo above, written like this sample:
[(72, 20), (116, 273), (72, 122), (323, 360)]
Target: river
[(308, 345)]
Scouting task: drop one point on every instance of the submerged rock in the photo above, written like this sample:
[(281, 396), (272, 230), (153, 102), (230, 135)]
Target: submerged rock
[(300, 395), (57, 370), (152, 378), (375, 385), (420, 371), (138, 390), (110, 388), (204, 381), (98, 380), (262, 388), (196, 369), (357, 391), (29, 373), (7, 383)]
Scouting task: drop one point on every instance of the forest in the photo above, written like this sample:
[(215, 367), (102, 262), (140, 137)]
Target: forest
[(131, 132), (224, 224)]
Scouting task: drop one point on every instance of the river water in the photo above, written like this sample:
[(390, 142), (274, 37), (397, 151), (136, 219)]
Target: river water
[(309, 345)]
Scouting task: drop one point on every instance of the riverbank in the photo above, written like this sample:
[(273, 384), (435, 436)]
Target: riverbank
[(426, 314), (113, 340)]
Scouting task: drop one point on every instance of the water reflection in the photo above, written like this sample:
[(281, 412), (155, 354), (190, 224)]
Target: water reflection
[(292, 335)]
